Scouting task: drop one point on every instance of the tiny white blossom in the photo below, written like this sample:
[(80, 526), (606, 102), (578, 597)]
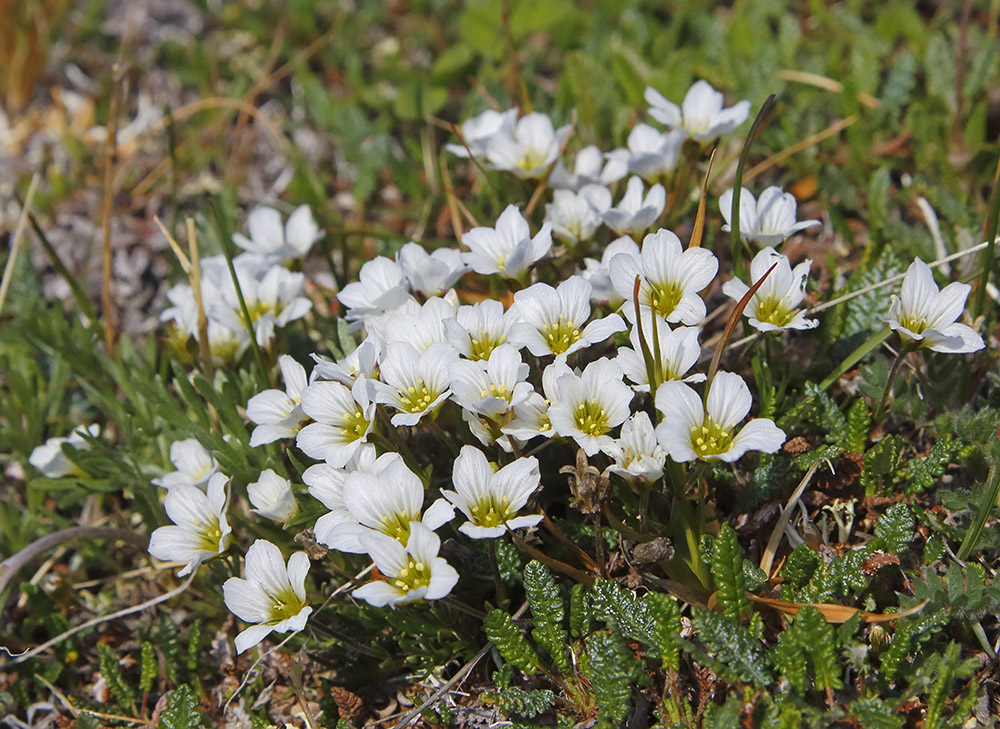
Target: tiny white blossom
[(596, 272), (362, 362), (195, 465), (678, 352), (926, 316), (49, 459), (529, 149), (420, 326), (551, 320), (590, 405), (531, 416), (199, 531), (344, 418), (671, 277), (773, 305), (273, 296), (637, 455), (431, 274), (691, 429), (480, 129), (272, 497), (477, 330), (326, 484), (381, 287), (768, 221), (491, 388), (636, 212), (507, 249), (276, 243), (414, 383), (490, 500), (701, 116), (272, 595), (590, 168), (278, 413), (652, 153), (413, 573), (575, 216)]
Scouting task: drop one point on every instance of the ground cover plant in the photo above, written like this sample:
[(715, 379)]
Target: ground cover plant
[(476, 364)]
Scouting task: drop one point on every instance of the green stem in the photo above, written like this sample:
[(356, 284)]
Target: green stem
[(501, 588), (735, 240), (972, 536), (904, 350)]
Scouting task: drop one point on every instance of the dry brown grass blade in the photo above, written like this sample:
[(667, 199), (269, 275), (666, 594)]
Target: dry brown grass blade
[(833, 613), (699, 220), (15, 243), (449, 193), (832, 130), (767, 561), (203, 343), (827, 84)]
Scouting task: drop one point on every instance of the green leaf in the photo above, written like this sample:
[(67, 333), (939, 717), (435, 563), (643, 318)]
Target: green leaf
[(513, 700), (737, 652), (727, 571), (858, 426), (809, 639), (547, 611), (880, 465), (941, 690), (622, 608), (874, 714), (800, 566), (111, 670), (579, 611), (513, 646), (666, 614), (608, 666), (180, 712), (895, 528), (924, 473), (150, 668)]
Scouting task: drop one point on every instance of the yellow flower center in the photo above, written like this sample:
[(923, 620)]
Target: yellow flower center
[(664, 298), (484, 345), (709, 439), (257, 309), (532, 159), (354, 425), (591, 418), (915, 325), (560, 335), (210, 535), (397, 526), (488, 512), (284, 605), (500, 391), (416, 399), (774, 311), (225, 349), (412, 577)]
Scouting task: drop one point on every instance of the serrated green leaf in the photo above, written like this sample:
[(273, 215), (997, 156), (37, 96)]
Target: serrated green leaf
[(727, 571), (858, 426), (513, 646), (924, 473), (111, 670), (810, 638), (735, 649), (579, 611), (609, 667), (180, 712), (874, 714), (547, 611), (150, 669), (800, 566), (895, 528), (666, 614), (880, 465), (622, 608)]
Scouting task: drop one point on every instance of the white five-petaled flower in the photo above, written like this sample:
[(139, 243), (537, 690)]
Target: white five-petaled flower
[(49, 459), (272, 294), (381, 287), (490, 500), (575, 216), (769, 220), (195, 465), (635, 212), (326, 483), (480, 129), (507, 249), (413, 573), (199, 531), (691, 429), (590, 168), (344, 417), (477, 330), (678, 352), (531, 416), (551, 320), (276, 243), (418, 325), (637, 455), (701, 115), (926, 317), (773, 305), (414, 383), (652, 153), (491, 388), (529, 149), (272, 595), (596, 272), (431, 274), (590, 405), (362, 362), (671, 278), (278, 414), (272, 497)]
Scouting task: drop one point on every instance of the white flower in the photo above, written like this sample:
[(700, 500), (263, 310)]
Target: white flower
[(490, 500), (652, 153), (596, 272), (362, 362), (772, 307), (575, 216), (671, 278), (767, 221), (415, 383), (925, 316), (381, 287), (531, 416), (635, 213), (431, 274), (273, 296), (272, 497), (701, 116), (200, 529), (344, 418), (590, 168), (551, 320), (477, 330), (490, 388), (413, 573), (590, 405), (420, 326), (480, 129), (507, 249), (277, 244), (273, 595), (278, 414), (49, 459), (530, 149), (690, 429), (326, 484), (195, 465), (637, 455), (679, 352), (226, 345)]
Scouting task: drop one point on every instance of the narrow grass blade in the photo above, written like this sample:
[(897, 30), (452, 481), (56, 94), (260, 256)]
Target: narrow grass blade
[(989, 235), (734, 218), (699, 220), (856, 356)]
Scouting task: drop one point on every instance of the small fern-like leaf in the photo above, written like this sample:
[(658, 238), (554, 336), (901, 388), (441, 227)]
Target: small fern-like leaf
[(513, 646), (579, 611), (666, 614), (727, 570), (735, 648), (111, 670), (622, 608), (547, 612), (609, 667), (895, 528), (180, 712), (149, 667), (859, 421)]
